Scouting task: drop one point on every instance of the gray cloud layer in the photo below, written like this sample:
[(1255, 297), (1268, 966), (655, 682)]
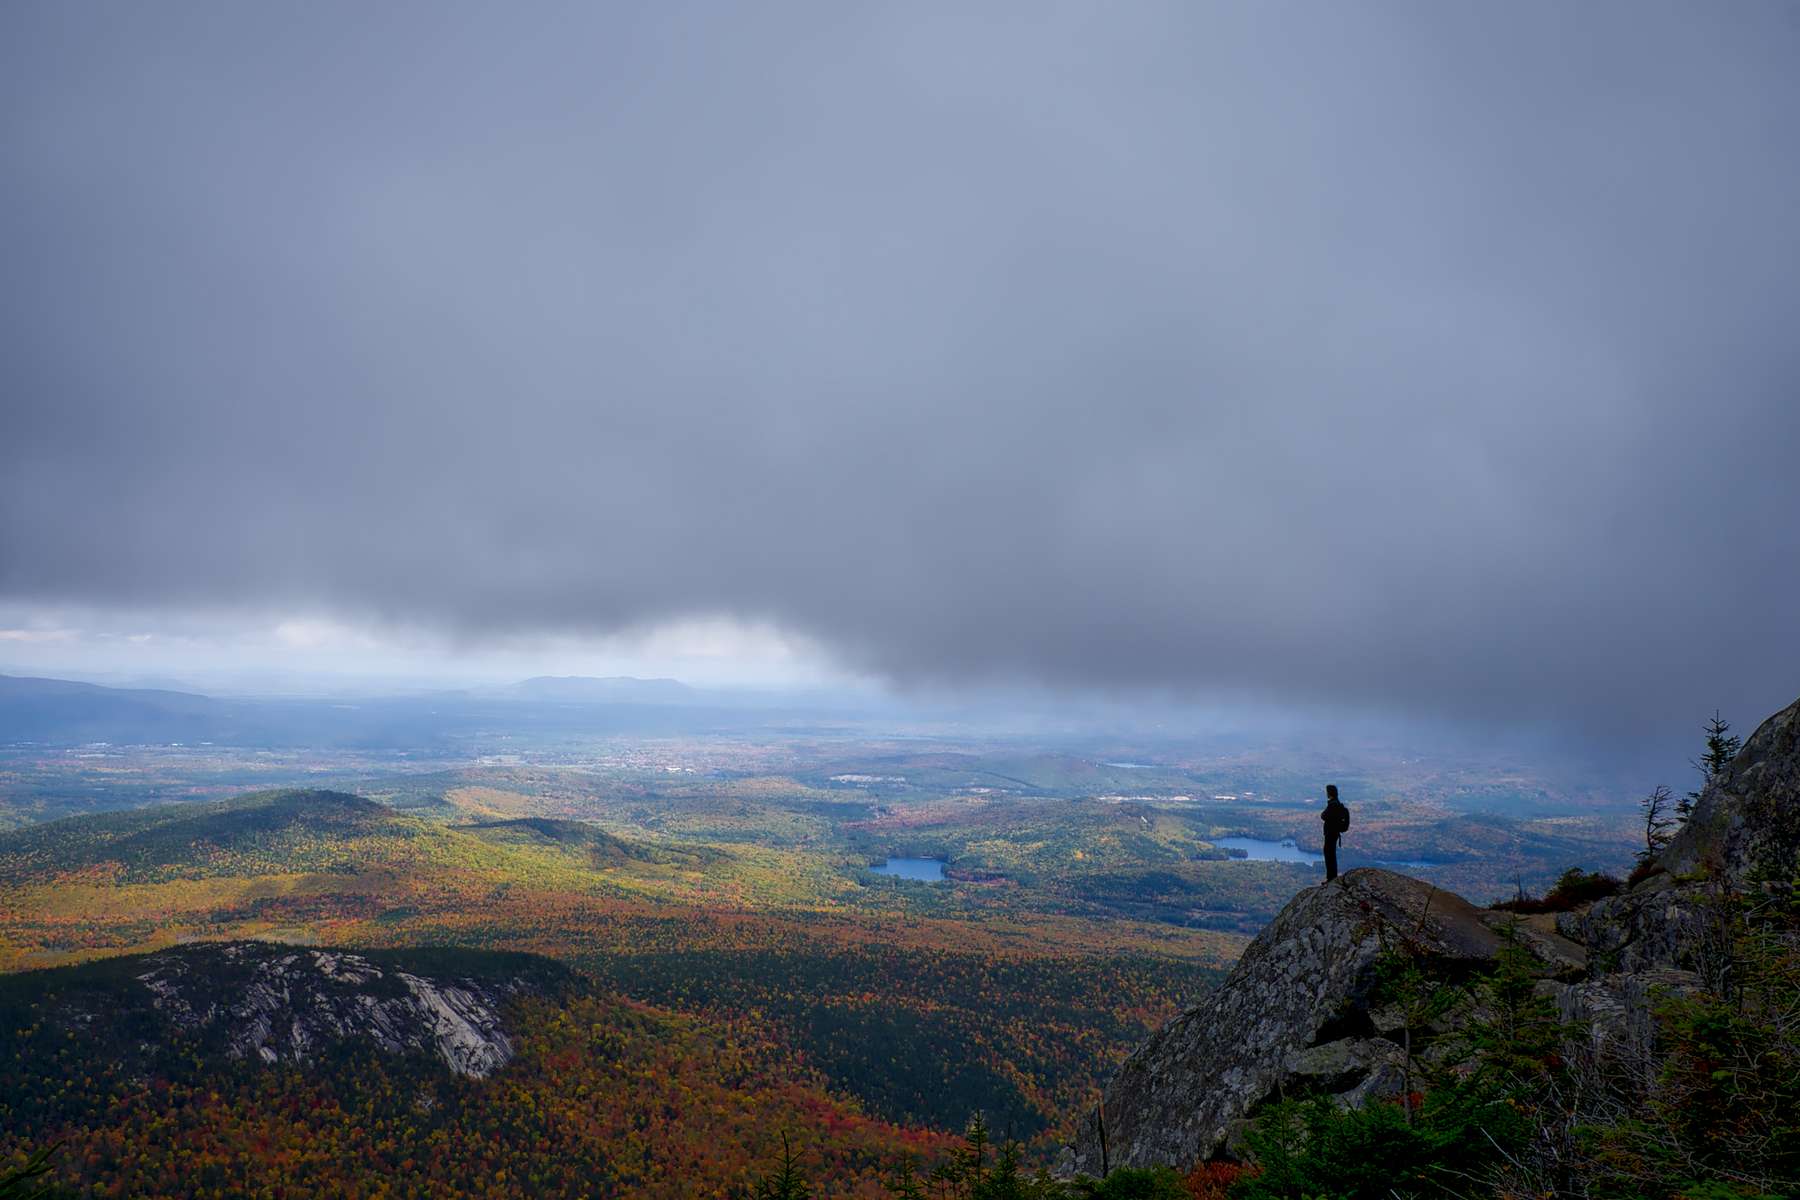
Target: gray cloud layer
[(1430, 354)]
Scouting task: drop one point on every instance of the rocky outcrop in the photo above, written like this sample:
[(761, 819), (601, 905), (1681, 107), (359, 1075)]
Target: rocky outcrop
[(1747, 821), (1669, 933), (1298, 1014), (1658, 923), (1294, 1017), (271, 1003)]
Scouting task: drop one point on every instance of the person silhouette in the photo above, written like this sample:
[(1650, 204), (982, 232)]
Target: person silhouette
[(1337, 819)]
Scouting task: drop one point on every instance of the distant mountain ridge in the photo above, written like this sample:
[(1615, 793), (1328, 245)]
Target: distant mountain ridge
[(607, 689), (61, 712), (33, 709)]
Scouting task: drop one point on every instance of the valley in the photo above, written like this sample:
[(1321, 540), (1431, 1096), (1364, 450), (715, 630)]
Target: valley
[(1046, 904)]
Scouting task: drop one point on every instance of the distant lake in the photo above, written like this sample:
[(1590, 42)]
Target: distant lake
[(930, 870), (1258, 850)]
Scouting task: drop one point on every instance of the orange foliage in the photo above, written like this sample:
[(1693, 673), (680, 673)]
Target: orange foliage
[(605, 1098), (1214, 1180)]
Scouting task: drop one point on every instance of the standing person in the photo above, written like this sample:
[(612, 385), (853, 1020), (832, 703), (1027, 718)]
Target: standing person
[(1337, 819)]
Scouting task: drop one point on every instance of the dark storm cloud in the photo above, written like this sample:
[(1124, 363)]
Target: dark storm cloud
[(1425, 354)]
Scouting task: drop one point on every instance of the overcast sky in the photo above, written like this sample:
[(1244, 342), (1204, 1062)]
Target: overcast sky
[(1424, 355)]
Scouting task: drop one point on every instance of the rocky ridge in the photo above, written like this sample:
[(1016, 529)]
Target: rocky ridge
[(1665, 934), (270, 1003), (1300, 1012)]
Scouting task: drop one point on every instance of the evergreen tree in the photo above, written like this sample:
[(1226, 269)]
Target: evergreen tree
[(786, 1183), (906, 1185), (1722, 746)]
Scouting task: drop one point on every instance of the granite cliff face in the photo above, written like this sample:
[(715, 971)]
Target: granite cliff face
[(288, 1003), (1299, 1016), (270, 1003)]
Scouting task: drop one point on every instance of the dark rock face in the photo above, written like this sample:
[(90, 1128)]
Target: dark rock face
[(1294, 1016), (1656, 924)]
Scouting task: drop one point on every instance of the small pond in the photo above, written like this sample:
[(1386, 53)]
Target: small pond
[(1260, 850), (931, 870)]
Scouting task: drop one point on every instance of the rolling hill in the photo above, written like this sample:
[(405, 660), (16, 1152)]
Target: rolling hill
[(249, 1069)]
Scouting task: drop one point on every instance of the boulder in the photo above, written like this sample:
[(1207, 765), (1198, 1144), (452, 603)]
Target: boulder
[(1658, 923), (1613, 1014), (1344, 1065), (1566, 957), (1293, 1018)]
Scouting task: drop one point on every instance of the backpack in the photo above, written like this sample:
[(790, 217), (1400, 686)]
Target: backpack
[(1340, 820)]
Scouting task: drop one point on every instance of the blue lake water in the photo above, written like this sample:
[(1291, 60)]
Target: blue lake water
[(1259, 850), (930, 870)]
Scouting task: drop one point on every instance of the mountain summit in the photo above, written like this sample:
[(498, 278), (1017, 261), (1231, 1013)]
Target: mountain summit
[(1298, 1015), (1302, 1012)]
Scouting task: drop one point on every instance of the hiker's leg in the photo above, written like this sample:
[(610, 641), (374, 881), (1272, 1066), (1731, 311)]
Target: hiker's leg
[(1330, 859)]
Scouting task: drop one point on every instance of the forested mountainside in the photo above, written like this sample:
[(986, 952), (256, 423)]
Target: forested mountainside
[(252, 1069), (279, 1004), (736, 1009)]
